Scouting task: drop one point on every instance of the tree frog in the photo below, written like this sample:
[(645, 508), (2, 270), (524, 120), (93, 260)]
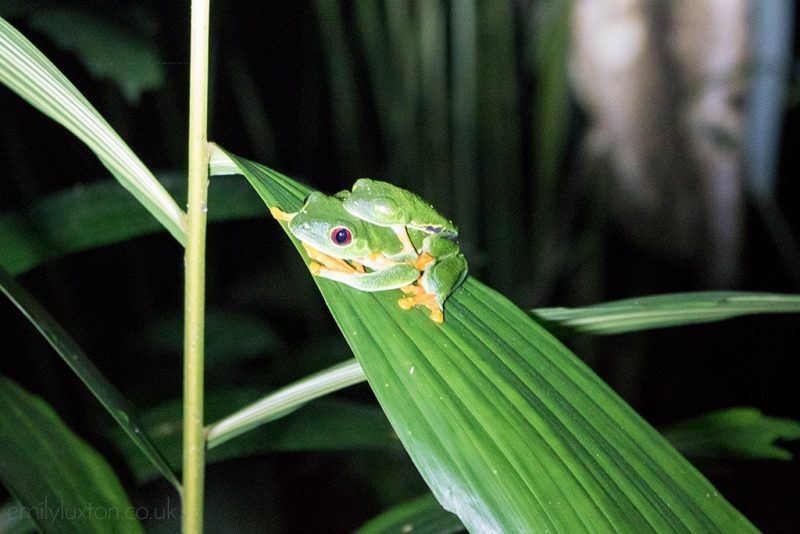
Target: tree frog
[(379, 237)]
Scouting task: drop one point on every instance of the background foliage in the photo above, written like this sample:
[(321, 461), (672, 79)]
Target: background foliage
[(467, 104)]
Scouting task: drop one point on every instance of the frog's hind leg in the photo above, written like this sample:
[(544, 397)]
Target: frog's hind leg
[(444, 276), (437, 282), (419, 297)]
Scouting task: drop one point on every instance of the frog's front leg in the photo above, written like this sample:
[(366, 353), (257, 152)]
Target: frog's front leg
[(320, 260), (444, 276), (390, 276)]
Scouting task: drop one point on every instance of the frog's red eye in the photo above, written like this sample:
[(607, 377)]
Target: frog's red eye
[(341, 236)]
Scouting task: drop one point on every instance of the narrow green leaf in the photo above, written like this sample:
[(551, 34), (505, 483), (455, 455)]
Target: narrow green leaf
[(499, 127), (549, 37), (284, 401), (63, 483), (101, 213), (111, 399), (464, 98), (345, 98), (394, 81), (27, 72), (327, 424), (661, 311), (423, 515), (511, 431), (735, 432)]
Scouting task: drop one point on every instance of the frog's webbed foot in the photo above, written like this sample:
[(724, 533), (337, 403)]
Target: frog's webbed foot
[(420, 297), (320, 261), (280, 215)]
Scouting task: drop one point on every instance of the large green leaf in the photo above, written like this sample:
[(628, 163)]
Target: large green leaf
[(511, 431), (63, 483), (27, 72), (111, 399), (102, 213)]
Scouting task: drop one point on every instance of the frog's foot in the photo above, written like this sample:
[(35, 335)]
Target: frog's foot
[(320, 261), (281, 215), (422, 261), (412, 289), (419, 297)]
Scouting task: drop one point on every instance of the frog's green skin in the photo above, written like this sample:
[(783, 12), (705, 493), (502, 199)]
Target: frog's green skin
[(393, 232), (374, 246), (321, 214), (387, 205)]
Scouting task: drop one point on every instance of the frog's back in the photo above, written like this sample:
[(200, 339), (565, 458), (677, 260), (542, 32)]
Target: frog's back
[(385, 204)]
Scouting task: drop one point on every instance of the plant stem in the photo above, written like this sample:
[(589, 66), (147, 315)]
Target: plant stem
[(194, 303)]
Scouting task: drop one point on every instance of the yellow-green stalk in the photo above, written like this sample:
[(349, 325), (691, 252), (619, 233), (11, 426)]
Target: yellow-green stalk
[(194, 303)]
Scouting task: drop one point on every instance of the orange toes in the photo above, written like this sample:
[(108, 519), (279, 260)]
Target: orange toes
[(411, 290), (420, 298), (406, 303)]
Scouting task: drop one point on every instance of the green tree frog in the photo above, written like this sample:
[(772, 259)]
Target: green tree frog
[(379, 237)]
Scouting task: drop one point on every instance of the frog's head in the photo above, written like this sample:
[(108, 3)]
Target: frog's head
[(325, 225)]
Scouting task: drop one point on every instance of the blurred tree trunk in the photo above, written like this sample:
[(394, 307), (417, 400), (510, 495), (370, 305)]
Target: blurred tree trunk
[(663, 84)]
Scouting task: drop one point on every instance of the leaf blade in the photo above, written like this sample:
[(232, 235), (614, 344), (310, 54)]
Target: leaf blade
[(663, 311), (69, 351), (327, 424), (88, 216), (27, 72), (64, 483), (741, 432), (422, 515), (283, 402), (509, 429)]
